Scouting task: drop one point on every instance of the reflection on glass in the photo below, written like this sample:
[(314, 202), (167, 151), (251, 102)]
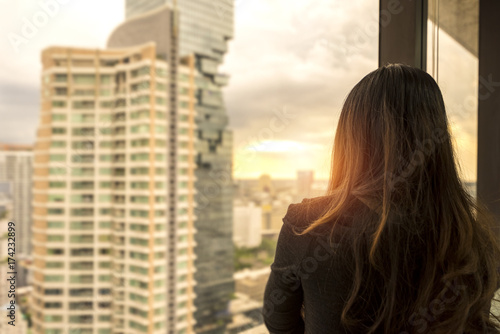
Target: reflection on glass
[(452, 35)]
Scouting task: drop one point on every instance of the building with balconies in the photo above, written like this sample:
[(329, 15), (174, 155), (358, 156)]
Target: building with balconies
[(113, 193)]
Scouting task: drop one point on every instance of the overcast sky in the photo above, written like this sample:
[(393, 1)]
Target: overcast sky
[(291, 65)]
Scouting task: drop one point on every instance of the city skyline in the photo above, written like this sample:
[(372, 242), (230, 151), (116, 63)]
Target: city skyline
[(301, 63)]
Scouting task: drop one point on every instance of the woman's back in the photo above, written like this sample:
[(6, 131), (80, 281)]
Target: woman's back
[(312, 275), (314, 266), (414, 252)]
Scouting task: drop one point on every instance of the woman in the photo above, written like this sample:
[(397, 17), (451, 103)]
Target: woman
[(397, 245)]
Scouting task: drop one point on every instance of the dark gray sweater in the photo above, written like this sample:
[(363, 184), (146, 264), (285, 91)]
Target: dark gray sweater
[(311, 276), (309, 271)]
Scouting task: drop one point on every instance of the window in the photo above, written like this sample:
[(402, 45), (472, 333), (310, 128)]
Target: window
[(139, 157), (104, 198), (58, 104), (104, 224), (58, 117), (144, 99), (104, 278), (88, 104), (82, 198), (53, 278), (55, 251), (139, 171), (83, 132), (58, 131), (53, 292), (105, 92), (84, 92), (57, 144), (141, 114), (52, 211), (105, 185), (106, 78), (141, 71), (140, 86), (84, 212), (84, 145), (55, 225), (53, 304), (139, 185), (56, 198), (57, 171), (82, 118), (144, 128), (161, 101), (106, 104), (139, 213), (83, 158), (82, 185), (160, 129), (58, 184), (105, 144), (82, 225), (104, 171), (60, 78), (161, 72), (140, 143), (87, 171), (105, 157), (84, 79)]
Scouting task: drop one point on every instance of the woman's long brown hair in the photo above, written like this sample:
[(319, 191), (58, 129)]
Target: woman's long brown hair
[(428, 261)]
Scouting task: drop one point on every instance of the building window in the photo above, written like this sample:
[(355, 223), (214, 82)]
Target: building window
[(58, 104), (87, 79)]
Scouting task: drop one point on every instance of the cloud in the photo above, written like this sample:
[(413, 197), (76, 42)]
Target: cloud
[(302, 56), (293, 55), (75, 23)]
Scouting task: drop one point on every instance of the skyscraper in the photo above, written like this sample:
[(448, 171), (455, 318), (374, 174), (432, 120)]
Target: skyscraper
[(114, 193), (305, 180), (16, 169), (205, 26)]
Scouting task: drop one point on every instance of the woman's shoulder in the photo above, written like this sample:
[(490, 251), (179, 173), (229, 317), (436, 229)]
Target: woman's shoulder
[(303, 213), (300, 215)]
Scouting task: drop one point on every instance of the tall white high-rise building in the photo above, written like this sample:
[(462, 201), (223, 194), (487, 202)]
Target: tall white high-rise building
[(247, 229), (114, 192), (15, 175)]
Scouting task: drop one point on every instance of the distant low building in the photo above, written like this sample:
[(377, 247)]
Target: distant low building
[(305, 180), (246, 314), (252, 282)]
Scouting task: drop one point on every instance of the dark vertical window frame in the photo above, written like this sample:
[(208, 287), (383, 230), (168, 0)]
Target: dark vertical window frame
[(488, 132), (403, 32)]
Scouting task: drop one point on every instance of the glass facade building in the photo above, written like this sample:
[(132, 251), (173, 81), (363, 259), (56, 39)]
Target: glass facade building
[(205, 26)]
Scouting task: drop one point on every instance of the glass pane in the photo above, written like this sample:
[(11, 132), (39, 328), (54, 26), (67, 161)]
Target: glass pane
[(291, 64), (452, 37)]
